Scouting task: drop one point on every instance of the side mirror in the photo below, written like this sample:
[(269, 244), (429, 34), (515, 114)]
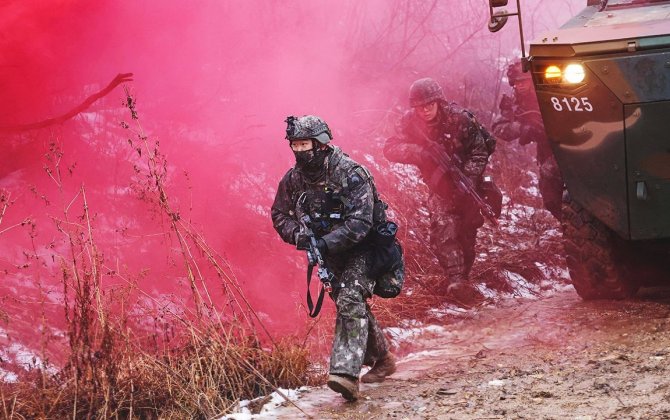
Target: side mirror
[(497, 22), (498, 19)]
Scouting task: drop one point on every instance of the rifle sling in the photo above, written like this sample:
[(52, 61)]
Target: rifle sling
[(314, 310)]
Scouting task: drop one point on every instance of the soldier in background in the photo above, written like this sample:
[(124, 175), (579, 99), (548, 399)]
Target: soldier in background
[(431, 127), (520, 119), (339, 196)]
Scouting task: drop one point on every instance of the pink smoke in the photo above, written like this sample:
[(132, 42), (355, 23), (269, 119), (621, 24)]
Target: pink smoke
[(214, 82)]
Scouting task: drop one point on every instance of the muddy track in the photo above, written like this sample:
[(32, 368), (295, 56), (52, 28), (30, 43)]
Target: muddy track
[(555, 358)]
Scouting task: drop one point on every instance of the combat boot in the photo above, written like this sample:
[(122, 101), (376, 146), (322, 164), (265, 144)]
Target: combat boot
[(382, 368), (344, 385)]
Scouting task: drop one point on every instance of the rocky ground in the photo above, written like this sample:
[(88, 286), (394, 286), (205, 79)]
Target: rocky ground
[(553, 358)]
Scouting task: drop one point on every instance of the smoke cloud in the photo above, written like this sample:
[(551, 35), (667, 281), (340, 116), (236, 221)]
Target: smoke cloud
[(214, 81)]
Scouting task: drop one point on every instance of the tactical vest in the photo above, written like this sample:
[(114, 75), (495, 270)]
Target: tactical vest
[(326, 203)]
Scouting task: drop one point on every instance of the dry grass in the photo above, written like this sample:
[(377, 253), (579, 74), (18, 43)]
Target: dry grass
[(202, 378)]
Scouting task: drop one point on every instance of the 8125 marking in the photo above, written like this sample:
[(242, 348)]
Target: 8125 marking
[(572, 104)]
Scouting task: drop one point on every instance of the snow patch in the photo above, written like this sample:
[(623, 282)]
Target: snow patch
[(8, 377), (496, 382), (269, 409)]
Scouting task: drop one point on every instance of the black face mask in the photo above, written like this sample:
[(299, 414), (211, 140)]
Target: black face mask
[(303, 159), (311, 161)]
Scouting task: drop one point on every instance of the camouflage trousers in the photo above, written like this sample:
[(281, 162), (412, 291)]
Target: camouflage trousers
[(358, 338), (551, 186), (453, 235)]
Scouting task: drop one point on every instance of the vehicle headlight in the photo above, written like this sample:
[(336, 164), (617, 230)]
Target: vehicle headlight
[(565, 74), (574, 73), (552, 74)]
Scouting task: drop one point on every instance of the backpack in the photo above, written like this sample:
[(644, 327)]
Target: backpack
[(488, 190), (385, 262), (489, 139)]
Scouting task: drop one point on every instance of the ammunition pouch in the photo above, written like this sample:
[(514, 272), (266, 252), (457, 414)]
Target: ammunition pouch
[(386, 256)]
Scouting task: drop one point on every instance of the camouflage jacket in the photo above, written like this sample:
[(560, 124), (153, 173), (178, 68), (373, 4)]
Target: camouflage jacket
[(340, 206), (456, 131)]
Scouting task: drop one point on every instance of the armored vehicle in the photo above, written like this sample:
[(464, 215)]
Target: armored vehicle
[(603, 85)]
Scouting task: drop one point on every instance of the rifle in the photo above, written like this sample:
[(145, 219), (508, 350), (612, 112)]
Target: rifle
[(314, 258), (450, 166)]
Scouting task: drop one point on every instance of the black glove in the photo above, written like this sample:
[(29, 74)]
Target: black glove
[(323, 248)]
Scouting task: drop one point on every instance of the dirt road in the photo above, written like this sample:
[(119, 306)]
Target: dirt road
[(554, 358)]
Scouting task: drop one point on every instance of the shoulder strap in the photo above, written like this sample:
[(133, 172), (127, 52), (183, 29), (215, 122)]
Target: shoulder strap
[(314, 310)]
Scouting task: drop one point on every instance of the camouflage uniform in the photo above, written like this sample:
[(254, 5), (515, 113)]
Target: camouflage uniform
[(521, 119), (340, 206), (454, 218)]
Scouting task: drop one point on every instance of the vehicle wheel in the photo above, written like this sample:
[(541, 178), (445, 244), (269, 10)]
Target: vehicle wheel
[(596, 256)]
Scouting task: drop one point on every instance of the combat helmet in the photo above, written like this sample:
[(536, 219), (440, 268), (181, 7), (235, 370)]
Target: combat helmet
[(515, 73), (308, 127), (425, 91)]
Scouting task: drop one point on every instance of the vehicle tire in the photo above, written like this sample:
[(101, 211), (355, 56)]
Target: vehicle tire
[(596, 256)]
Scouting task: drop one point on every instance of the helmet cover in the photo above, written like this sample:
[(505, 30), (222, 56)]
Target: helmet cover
[(307, 127), (424, 91)]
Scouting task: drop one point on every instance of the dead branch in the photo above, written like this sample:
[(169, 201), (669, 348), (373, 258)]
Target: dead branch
[(120, 78)]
